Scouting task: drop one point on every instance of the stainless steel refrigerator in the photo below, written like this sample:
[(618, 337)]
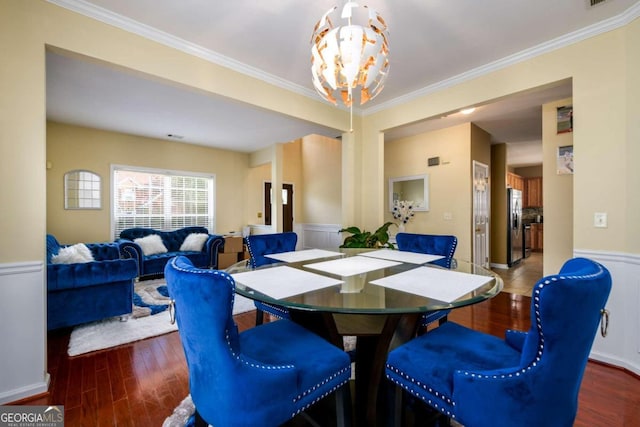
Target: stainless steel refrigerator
[(514, 226)]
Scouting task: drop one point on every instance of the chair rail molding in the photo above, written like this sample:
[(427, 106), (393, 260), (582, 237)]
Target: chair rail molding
[(621, 347)]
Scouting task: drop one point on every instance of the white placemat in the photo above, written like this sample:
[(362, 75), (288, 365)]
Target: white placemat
[(403, 256), (436, 283), (303, 255), (352, 265), (283, 281)]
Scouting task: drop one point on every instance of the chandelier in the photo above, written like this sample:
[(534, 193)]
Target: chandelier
[(351, 58)]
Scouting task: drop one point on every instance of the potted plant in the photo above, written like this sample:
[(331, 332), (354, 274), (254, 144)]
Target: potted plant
[(366, 239)]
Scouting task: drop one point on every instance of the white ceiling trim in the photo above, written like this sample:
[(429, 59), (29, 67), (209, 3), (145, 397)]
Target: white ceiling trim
[(555, 44), (148, 32), (130, 25)]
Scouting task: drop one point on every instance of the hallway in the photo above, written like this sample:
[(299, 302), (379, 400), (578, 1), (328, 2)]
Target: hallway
[(521, 278)]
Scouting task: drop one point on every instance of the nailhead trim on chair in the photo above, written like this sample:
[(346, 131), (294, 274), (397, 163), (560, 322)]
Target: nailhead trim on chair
[(538, 322), (327, 393), (451, 252), (227, 335), (315, 387), (424, 387)]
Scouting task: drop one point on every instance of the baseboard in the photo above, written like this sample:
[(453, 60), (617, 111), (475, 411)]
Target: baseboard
[(21, 393), (499, 266), (616, 362)]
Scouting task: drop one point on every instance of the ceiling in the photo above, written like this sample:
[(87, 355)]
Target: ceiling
[(433, 44)]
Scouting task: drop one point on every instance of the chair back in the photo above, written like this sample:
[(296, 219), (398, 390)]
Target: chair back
[(260, 245), (565, 314), (429, 244), (222, 381)]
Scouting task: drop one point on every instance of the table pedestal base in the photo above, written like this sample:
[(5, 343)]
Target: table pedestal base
[(376, 336)]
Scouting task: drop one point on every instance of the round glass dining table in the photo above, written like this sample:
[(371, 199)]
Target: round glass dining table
[(378, 297)]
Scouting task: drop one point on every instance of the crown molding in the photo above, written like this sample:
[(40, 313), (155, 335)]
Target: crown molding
[(559, 42), (103, 15), (92, 11)]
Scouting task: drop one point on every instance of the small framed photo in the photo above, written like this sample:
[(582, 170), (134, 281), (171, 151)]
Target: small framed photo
[(565, 160), (565, 119)]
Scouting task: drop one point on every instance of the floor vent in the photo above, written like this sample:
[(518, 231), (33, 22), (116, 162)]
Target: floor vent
[(595, 2)]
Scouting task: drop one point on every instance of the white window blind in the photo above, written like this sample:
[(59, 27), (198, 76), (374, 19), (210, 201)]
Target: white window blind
[(161, 200)]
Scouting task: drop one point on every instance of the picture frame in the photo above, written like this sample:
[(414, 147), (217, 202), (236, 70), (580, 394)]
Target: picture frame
[(565, 160), (565, 119)]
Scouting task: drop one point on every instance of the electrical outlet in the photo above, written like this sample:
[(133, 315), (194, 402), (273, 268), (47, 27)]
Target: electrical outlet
[(448, 216), (259, 214), (600, 220)]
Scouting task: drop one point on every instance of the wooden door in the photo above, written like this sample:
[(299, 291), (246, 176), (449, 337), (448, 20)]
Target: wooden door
[(287, 206)]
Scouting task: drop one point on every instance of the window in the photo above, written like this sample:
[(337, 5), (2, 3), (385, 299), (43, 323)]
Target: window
[(81, 190), (161, 200)]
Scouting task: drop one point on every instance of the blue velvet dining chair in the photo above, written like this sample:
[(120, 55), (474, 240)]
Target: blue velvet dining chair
[(433, 244), (263, 376), (260, 245), (527, 379)]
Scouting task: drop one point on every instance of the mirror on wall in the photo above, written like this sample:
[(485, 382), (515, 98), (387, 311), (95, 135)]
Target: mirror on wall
[(415, 188), (82, 190)]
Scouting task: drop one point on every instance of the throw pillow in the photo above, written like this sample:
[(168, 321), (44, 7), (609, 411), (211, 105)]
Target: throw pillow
[(151, 244), (73, 254), (194, 242)]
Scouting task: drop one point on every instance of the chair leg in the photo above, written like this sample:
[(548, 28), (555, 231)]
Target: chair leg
[(396, 406), (199, 421), (259, 317), (343, 406)]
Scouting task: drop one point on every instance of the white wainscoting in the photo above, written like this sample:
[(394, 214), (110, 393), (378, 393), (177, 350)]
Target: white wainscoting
[(23, 331), (310, 236), (321, 236), (621, 346)]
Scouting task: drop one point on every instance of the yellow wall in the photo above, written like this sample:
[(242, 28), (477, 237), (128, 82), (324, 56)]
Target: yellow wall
[(606, 98), (74, 147), (557, 192), (257, 176), (598, 67), (313, 165), (408, 156), (632, 171), (322, 177)]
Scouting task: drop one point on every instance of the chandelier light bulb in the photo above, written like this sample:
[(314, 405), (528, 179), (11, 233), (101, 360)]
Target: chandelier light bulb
[(350, 59)]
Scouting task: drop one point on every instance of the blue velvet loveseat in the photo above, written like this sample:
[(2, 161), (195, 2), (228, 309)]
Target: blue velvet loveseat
[(80, 292), (152, 264)]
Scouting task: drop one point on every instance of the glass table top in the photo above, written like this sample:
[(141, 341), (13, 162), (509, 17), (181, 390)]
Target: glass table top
[(364, 282)]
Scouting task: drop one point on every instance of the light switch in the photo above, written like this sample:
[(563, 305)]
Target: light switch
[(600, 220)]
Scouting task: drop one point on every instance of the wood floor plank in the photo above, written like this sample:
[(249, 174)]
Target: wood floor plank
[(139, 384)]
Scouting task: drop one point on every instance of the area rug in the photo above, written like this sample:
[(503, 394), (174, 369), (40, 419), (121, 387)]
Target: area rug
[(150, 318), (182, 415)]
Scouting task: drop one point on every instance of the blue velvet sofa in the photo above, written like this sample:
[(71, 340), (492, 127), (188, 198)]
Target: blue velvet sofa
[(153, 265), (89, 291)]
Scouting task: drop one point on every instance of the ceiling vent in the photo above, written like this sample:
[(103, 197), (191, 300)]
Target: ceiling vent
[(595, 2)]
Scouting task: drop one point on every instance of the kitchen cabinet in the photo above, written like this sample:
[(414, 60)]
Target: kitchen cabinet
[(537, 232), (532, 194), (515, 181)]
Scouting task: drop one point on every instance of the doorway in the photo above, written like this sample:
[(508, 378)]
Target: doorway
[(287, 206), (481, 218)]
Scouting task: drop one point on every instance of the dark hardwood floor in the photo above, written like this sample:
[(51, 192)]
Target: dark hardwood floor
[(139, 384)]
